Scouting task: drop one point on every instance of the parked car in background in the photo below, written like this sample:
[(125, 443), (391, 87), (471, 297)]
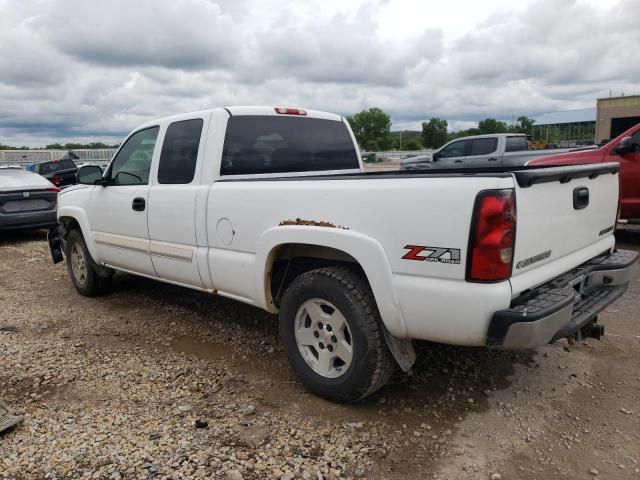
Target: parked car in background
[(272, 207), (27, 200), (492, 150), (61, 173), (624, 149)]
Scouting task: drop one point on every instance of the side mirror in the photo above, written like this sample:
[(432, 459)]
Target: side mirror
[(435, 157), (625, 146), (89, 174)]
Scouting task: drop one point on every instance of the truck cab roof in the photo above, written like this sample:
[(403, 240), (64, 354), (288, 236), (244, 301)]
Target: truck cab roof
[(247, 111)]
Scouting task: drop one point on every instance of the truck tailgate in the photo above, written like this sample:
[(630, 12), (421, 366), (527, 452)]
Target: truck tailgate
[(565, 216)]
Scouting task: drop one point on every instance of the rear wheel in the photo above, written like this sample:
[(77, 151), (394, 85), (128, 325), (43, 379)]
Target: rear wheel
[(333, 334), (82, 269)]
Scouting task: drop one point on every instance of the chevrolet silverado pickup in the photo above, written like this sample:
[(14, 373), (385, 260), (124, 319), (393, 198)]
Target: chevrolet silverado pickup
[(625, 150), (271, 207)]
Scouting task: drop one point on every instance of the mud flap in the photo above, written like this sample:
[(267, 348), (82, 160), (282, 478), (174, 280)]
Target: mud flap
[(55, 245), (401, 349)]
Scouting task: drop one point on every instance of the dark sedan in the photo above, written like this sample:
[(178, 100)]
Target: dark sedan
[(27, 200), (61, 173)]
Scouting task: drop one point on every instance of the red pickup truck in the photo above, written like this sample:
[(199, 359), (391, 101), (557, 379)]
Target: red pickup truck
[(624, 149)]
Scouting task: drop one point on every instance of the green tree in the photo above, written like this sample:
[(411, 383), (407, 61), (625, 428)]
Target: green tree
[(372, 128), (411, 140), (412, 143), (372, 146), (434, 133), (525, 125), (491, 125)]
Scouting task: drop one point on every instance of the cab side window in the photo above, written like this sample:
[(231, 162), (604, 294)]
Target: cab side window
[(456, 149), (132, 164), (516, 144), (180, 152), (483, 146)]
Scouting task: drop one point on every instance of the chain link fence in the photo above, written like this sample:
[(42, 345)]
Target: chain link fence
[(25, 157)]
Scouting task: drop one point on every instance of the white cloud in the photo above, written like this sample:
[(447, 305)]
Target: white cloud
[(74, 69)]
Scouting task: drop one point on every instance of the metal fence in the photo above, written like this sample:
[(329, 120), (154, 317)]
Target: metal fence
[(25, 157), (103, 155)]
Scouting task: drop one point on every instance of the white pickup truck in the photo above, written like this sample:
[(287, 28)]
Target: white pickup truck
[(270, 206)]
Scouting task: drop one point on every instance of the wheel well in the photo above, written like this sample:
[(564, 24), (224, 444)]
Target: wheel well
[(293, 259), (70, 223)]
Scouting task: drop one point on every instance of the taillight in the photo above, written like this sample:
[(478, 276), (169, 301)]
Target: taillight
[(56, 180), (492, 238), (54, 189), (290, 111)]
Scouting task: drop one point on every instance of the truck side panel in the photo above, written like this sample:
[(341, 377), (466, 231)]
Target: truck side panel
[(417, 214)]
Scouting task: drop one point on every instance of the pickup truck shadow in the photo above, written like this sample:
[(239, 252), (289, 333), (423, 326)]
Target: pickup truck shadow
[(446, 382)]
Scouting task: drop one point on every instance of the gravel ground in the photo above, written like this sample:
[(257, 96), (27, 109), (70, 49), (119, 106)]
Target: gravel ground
[(156, 381)]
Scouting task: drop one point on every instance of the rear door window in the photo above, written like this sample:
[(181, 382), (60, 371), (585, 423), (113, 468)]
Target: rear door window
[(180, 152), (516, 144), (277, 144), (483, 146)]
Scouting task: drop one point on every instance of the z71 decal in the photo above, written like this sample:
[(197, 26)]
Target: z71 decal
[(432, 254)]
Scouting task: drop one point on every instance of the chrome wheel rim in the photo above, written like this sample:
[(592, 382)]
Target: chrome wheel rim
[(78, 265), (323, 338)]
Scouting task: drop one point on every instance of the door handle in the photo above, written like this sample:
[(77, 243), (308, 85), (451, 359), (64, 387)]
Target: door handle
[(138, 204), (580, 198), (493, 159), (457, 161)]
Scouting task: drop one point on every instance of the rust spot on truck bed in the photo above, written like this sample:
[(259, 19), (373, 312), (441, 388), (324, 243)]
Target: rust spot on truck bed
[(313, 223)]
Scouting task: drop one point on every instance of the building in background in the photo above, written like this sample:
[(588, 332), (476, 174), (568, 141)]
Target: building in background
[(615, 115), (569, 128)]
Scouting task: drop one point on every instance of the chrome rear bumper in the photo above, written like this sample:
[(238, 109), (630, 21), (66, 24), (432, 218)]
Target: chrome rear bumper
[(564, 305)]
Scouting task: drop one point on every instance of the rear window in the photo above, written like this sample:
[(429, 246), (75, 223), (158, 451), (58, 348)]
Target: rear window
[(56, 166), (274, 144), (180, 152), (516, 144)]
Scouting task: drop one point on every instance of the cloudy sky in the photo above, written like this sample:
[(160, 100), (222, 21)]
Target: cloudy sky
[(92, 70)]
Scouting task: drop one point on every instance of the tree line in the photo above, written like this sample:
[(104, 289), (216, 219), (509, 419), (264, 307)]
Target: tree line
[(372, 129)]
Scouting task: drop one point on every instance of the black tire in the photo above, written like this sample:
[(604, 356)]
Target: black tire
[(90, 284), (371, 364)]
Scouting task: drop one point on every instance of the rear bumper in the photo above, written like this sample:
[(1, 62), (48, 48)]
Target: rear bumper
[(564, 305), (26, 220)]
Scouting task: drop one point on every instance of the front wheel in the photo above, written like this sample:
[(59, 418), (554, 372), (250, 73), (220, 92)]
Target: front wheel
[(333, 335), (82, 269)]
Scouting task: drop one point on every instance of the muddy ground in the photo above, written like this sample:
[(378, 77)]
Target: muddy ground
[(111, 387)]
